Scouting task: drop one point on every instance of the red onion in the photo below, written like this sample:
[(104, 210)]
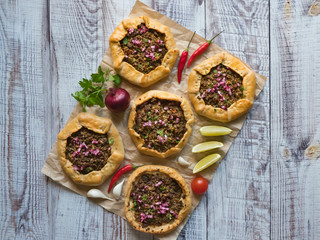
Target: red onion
[(75, 167), (158, 183), (117, 100)]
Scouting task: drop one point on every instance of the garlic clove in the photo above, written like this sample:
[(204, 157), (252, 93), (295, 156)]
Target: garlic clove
[(96, 193), (183, 162), (118, 189)]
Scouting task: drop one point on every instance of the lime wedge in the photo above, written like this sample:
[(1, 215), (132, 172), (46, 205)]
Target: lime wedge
[(214, 131), (206, 162), (206, 146)]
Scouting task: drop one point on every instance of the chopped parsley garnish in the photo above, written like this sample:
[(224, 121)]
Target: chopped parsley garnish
[(242, 88), (125, 41), (162, 188), (160, 132), (144, 197), (111, 141)]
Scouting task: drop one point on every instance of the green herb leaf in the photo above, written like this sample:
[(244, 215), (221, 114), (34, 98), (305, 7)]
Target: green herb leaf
[(134, 204), (160, 132), (214, 71), (242, 88), (162, 188), (144, 197), (115, 78), (92, 89), (98, 77), (125, 41), (111, 141), (139, 65), (145, 40), (170, 216)]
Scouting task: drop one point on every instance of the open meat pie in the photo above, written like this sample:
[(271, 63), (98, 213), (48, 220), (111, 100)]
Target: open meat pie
[(160, 123), (143, 50), (157, 199), (222, 87), (90, 149)]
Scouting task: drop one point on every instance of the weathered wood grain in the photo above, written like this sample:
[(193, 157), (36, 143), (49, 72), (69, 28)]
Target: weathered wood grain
[(77, 47), (111, 14), (24, 51), (239, 196), (295, 107)]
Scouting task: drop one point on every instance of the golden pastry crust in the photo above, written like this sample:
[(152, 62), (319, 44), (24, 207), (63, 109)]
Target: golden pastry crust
[(236, 109), (125, 69), (98, 125), (128, 204), (137, 139)]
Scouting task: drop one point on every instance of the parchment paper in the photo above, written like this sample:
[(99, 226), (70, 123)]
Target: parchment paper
[(182, 35)]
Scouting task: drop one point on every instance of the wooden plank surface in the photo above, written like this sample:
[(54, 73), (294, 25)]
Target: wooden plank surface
[(24, 59), (295, 107), (239, 201), (265, 188)]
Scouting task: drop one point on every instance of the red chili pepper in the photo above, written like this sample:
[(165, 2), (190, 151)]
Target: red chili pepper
[(183, 60), (201, 49), (119, 173)]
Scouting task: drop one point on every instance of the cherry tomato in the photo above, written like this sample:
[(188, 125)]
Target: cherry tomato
[(199, 185)]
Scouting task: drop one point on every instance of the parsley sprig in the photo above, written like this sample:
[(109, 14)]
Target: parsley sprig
[(91, 93)]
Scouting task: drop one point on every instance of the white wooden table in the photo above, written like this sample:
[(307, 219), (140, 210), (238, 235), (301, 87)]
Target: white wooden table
[(268, 186)]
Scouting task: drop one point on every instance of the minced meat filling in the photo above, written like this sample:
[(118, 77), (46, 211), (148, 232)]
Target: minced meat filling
[(156, 199), (88, 151), (144, 48), (160, 123), (221, 87)]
